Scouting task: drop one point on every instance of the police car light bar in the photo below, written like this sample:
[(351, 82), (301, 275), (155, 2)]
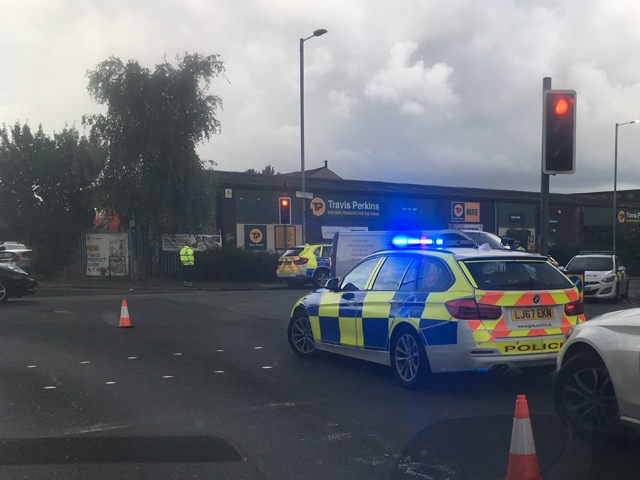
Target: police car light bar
[(401, 241)]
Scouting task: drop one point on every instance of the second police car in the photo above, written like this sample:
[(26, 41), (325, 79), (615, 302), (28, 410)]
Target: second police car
[(604, 275), (432, 310), (305, 264)]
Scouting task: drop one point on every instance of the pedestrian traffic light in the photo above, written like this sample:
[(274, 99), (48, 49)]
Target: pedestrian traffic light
[(285, 210), (559, 132)]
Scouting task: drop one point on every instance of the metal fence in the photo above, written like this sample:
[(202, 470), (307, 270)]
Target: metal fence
[(138, 264)]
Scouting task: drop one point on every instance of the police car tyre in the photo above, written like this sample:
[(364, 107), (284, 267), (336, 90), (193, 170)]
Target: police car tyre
[(585, 399), (301, 337), (409, 358), (321, 277), (626, 291), (538, 371), (4, 293)]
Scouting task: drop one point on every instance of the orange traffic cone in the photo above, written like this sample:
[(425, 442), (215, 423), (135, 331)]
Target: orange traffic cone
[(125, 322), (523, 461)]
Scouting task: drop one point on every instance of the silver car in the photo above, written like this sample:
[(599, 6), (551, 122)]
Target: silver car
[(597, 389), (18, 257)]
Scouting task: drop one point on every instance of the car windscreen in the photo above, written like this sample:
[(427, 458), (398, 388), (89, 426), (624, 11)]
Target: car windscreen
[(293, 252), (516, 275), (6, 256), (591, 264)]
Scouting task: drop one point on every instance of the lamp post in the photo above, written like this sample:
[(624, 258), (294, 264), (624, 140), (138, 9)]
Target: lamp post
[(615, 184), (316, 33)]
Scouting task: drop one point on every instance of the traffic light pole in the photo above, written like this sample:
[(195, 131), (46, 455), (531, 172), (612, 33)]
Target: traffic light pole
[(544, 187)]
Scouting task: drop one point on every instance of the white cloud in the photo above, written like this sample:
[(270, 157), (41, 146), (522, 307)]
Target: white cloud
[(417, 89), (341, 103)]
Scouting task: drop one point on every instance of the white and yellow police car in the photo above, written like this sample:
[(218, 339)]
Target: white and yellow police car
[(305, 264), (432, 310)]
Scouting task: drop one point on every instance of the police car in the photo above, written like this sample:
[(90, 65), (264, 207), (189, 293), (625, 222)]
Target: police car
[(305, 264), (430, 310), (604, 275)]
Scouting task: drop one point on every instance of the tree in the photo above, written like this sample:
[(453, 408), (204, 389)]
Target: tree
[(45, 189), (153, 124), (268, 170)]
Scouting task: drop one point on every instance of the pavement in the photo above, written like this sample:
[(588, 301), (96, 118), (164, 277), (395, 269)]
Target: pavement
[(152, 284)]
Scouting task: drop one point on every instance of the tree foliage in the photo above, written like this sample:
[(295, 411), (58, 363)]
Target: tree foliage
[(268, 170), (45, 188), (153, 124)]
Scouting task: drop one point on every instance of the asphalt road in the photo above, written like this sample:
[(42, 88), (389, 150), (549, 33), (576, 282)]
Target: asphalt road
[(205, 386)]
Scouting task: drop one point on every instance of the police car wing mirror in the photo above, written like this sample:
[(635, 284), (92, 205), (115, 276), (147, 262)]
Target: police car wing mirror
[(332, 284), (561, 268)]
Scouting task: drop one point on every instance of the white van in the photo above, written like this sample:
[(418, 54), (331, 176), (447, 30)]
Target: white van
[(351, 247)]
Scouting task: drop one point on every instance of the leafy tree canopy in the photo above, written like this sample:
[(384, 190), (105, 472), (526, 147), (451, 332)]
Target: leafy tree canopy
[(45, 188), (153, 124), (268, 170)]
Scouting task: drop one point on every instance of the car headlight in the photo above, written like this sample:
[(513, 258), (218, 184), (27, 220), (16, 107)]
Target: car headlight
[(609, 279)]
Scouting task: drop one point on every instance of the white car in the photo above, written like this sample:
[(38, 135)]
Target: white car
[(604, 275), (597, 388)]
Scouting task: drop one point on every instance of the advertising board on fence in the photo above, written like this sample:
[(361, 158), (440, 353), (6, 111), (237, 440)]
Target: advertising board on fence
[(107, 254), (175, 241)]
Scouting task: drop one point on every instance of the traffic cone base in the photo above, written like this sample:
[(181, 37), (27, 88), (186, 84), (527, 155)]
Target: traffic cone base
[(125, 321), (523, 460)]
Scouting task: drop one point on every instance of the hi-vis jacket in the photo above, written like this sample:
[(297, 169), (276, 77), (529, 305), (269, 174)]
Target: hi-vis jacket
[(186, 255)]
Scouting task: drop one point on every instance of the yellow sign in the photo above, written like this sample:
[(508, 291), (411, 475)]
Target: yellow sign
[(465, 212), (317, 206)]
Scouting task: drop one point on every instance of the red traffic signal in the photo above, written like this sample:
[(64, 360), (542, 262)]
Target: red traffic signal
[(559, 132), (285, 210)]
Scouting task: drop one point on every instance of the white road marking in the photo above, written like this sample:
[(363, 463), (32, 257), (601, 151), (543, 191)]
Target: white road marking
[(110, 383), (167, 376), (267, 367), (177, 354), (219, 350), (131, 358), (219, 371), (50, 387), (258, 348), (85, 362), (32, 366)]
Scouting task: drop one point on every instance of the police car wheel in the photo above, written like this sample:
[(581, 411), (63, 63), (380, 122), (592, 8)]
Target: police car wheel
[(320, 278), (409, 358), (4, 293), (626, 291), (584, 397), (301, 337)]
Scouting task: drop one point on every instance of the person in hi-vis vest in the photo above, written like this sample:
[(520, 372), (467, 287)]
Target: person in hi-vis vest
[(187, 260)]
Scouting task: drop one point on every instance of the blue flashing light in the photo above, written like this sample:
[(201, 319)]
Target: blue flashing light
[(400, 241), (439, 241)]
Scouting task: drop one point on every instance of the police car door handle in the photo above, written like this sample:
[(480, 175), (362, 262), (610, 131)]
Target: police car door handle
[(396, 302), (352, 302)]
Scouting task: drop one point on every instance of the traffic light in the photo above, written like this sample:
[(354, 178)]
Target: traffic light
[(559, 132), (285, 210)]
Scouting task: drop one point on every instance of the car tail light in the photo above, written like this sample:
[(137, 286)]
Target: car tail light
[(281, 261), (574, 308), (16, 258), (300, 261), (469, 309)]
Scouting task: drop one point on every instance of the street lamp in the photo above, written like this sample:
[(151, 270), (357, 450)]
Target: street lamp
[(316, 33), (615, 184)]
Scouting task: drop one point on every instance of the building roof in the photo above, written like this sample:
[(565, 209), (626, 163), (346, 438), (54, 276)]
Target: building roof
[(319, 184)]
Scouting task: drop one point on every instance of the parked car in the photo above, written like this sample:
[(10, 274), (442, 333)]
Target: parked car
[(15, 282), (20, 258), (604, 275), (305, 264), (597, 388), (422, 309)]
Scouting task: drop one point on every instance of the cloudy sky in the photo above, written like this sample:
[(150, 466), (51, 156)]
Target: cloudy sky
[(441, 92)]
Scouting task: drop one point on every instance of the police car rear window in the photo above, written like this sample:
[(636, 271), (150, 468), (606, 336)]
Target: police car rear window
[(293, 252), (516, 275)]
